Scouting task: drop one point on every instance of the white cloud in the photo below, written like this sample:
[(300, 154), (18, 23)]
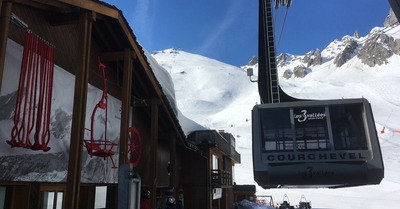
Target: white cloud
[(224, 24), (141, 20)]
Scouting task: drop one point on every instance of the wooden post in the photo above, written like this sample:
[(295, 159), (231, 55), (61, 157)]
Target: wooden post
[(126, 98), (154, 146), (1, 4), (172, 159), (5, 9), (79, 110)]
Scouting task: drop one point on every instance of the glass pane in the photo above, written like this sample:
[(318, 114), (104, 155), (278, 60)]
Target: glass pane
[(276, 129), (101, 197), (59, 200), (215, 162), (311, 128), (2, 196), (48, 200), (348, 127)]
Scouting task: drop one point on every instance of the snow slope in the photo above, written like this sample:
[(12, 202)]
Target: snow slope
[(220, 96)]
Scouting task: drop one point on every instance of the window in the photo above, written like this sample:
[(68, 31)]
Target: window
[(215, 161), (348, 127), (52, 196), (2, 196), (311, 128), (101, 197), (276, 129), (52, 200)]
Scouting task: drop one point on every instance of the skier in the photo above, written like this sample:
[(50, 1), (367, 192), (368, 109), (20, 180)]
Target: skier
[(180, 202), (145, 200), (168, 194), (170, 203)]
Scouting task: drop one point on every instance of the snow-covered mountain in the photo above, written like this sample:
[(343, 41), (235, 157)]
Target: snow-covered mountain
[(220, 96)]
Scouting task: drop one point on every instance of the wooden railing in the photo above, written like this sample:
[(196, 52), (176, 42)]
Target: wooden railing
[(221, 178)]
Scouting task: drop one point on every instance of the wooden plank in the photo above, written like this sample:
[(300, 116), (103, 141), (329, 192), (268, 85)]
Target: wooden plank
[(92, 6), (154, 147), (46, 5), (116, 56), (112, 56), (115, 37), (126, 98), (63, 19), (103, 39), (172, 159), (79, 110), (18, 192), (4, 28), (1, 4)]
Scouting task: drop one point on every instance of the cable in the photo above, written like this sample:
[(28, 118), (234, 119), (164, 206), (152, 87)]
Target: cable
[(283, 26)]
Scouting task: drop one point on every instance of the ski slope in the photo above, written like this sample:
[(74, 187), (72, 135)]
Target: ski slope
[(220, 96)]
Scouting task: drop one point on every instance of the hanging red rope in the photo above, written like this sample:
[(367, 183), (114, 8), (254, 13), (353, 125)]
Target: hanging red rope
[(32, 111)]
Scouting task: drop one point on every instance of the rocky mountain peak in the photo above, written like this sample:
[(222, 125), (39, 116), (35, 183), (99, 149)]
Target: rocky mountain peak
[(391, 19), (253, 61), (378, 49), (313, 58), (348, 46)]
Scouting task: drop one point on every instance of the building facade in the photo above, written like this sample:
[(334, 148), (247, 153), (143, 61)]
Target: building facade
[(105, 103)]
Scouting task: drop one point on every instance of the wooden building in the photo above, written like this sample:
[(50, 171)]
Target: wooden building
[(244, 192), (64, 172), (219, 151)]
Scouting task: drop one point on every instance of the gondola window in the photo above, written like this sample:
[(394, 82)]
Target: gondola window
[(277, 129), (311, 128), (347, 127), (316, 128)]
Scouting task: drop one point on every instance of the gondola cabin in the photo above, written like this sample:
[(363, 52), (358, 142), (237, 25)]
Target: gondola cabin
[(331, 143)]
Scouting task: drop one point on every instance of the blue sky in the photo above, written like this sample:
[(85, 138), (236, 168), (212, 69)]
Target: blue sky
[(227, 30)]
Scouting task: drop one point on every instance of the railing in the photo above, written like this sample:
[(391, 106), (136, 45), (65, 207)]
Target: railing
[(226, 145), (235, 156), (221, 178), (222, 144), (225, 142)]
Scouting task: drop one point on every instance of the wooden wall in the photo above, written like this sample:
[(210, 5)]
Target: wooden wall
[(195, 179)]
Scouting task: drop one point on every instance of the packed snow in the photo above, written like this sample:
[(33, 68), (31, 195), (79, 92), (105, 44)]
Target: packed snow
[(220, 96)]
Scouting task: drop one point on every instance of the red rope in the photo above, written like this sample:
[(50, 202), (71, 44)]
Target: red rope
[(37, 145), (37, 70), (49, 98), (30, 126), (21, 134), (14, 132)]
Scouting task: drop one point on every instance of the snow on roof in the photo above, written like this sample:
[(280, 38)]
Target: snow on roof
[(164, 79), (167, 87)]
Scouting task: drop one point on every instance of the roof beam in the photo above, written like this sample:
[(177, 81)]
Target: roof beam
[(94, 6)]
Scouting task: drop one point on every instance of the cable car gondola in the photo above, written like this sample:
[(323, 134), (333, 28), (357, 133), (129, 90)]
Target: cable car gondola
[(329, 143), (297, 143)]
